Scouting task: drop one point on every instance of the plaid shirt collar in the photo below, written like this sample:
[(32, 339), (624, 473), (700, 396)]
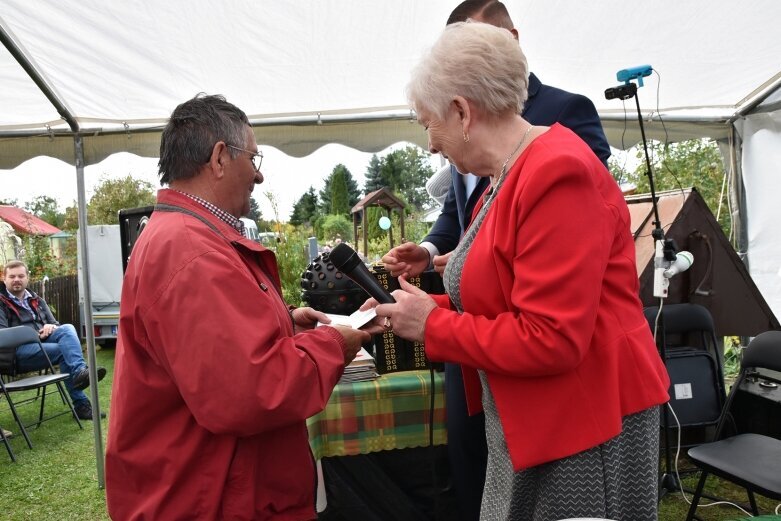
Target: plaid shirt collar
[(24, 301), (221, 214)]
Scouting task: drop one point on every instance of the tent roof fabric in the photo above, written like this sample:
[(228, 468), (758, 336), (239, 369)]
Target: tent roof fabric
[(307, 74), (25, 222)]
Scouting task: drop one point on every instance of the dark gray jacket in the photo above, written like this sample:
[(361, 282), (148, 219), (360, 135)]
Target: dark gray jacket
[(12, 314)]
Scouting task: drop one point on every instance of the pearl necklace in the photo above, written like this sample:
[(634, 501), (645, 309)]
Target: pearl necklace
[(492, 189)]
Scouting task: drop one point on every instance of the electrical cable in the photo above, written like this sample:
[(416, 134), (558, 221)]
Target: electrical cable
[(623, 146), (658, 314), (731, 170)]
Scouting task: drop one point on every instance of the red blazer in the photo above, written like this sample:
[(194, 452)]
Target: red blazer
[(551, 307)]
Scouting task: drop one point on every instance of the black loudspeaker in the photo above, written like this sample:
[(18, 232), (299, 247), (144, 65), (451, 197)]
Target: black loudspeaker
[(131, 223), (325, 288), (694, 388), (757, 404)]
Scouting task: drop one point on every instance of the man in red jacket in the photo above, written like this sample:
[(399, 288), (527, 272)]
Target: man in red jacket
[(215, 375)]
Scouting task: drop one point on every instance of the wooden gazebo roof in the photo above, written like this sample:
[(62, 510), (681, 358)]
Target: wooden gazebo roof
[(383, 198)]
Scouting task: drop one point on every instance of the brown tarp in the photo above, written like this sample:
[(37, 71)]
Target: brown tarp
[(718, 279)]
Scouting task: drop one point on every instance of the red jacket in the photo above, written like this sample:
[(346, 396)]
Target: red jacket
[(551, 307), (211, 386)]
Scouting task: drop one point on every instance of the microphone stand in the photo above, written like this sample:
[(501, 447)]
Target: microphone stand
[(664, 253)]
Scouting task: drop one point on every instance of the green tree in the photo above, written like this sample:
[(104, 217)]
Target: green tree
[(340, 192), (305, 209), (254, 211), (374, 175), (112, 195), (37, 254), (70, 219), (45, 208), (414, 171), (696, 162), (404, 172), (337, 226), (340, 200)]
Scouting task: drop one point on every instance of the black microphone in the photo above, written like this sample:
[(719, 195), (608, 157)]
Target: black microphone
[(348, 262)]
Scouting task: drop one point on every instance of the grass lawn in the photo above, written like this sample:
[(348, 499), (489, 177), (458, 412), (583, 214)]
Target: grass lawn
[(58, 478), (674, 508)]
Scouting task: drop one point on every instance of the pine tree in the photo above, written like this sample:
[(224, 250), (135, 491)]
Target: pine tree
[(340, 199), (254, 211), (305, 209), (340, 192), (374, 178)]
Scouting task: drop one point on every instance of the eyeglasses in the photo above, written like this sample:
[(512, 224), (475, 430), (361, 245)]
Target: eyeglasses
[(255, 157)]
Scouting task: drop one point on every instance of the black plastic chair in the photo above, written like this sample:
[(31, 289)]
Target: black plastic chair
[(10, 339), (749, 460), (687, 339)]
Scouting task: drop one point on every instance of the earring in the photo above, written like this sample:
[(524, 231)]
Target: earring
[(466, 137)]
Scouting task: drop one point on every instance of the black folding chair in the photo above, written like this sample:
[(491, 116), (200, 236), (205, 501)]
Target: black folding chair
[(749, 460), (10, 339), (687, 339), (7, 445)]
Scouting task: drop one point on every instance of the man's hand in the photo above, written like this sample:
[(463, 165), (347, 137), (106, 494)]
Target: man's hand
[(440, 261), (353, 339), (307, 318), (406, 259), (46, 330)]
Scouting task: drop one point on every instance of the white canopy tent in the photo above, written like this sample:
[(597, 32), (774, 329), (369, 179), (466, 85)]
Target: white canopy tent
[(312, 72)]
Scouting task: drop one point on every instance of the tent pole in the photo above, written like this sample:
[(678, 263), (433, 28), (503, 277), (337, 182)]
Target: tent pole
[(761, 94), (78, 144), (48, 90), (40, 81)]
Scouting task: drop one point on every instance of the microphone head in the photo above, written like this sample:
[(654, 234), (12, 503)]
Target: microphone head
[(683, 261), (344, 258)]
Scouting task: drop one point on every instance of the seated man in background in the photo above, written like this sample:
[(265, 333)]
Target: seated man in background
[(22, 307)]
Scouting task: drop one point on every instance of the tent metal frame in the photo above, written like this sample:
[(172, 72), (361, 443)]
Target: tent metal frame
[(78, 145)]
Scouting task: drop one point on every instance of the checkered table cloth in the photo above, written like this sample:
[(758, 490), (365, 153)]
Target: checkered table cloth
[(391, 412)]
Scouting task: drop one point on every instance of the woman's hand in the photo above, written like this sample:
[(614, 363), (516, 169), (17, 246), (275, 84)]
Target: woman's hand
[(377, 325), (407, 317)]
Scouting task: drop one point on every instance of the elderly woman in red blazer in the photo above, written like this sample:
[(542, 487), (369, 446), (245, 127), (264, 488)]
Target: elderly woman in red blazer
[(542, 306)]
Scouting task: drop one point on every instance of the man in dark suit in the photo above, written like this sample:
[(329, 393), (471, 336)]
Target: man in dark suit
[(545, 105)]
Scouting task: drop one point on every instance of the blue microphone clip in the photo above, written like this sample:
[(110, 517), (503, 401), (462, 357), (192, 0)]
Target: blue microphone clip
[(634, 73)]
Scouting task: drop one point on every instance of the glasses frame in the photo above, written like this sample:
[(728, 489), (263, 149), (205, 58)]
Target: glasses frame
[(253, 156)]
